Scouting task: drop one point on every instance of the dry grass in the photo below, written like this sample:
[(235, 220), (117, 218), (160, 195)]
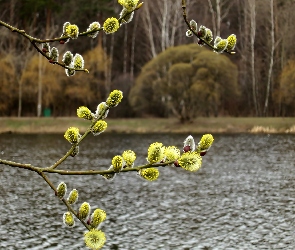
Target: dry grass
[(261, 129), (291, 129), (153, 125)]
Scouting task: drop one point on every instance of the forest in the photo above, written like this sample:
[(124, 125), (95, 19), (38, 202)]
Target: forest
[(160, 70)]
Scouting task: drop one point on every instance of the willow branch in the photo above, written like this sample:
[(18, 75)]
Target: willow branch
[(34, 41), (194, 32), (81, 172), (20, 165), (53, 62), (57, 39), (63, 200), (70, 151), (103, 172), (73, 147), (40, 172)]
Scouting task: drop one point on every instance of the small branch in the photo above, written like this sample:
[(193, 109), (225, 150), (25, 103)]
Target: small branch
[(81, 172), (57, 39), (195, 33), (71, 150), (64, 200), (60, 64), (61, 160), (34, 40), (73, 147), (102, 172), (20, 165)]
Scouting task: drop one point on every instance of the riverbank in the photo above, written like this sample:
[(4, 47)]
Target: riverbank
[(152, 125)]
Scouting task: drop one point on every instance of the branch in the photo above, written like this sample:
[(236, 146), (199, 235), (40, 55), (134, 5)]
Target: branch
[(34, 41), (70, 151), (63, 200), (202, 41), (103, 172), (41, 171), (21, 165), (76, 144), (157, 157)]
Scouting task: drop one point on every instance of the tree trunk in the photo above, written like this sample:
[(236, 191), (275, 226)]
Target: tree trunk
[(213, 17), (111, 63), (133, 47), (218, 16), (148, 27), (272, 35), (39, 105), (20, 93), (125, 50), (11, 21), (163, 26), (175, 17), (108, 63), (252, 41)]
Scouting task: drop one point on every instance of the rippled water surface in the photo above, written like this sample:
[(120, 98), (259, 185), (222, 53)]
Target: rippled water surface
[(242, 198)]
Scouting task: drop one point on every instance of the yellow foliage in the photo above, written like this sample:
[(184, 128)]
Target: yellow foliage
[(287, 84), (8, 83), (187, 80)]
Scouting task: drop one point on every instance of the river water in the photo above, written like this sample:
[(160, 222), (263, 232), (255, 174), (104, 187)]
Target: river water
[(243, 197)]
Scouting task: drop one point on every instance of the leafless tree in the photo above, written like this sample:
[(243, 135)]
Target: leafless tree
[(252, 12), (162, 25), (125, 50), (133, 47), (147, 22), (271, 62), (220, 13)]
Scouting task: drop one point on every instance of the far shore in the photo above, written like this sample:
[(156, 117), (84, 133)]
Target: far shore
[(33, 125)]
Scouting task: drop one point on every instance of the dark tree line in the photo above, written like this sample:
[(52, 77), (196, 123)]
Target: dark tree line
[(264, 59)]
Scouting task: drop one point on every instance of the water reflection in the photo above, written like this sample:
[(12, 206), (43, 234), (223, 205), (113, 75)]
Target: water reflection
[(242, 198)]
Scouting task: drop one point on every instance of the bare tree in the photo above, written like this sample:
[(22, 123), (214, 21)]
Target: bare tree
[(48, 32), (108, 66), (161, 20), (133, 47), (252, 8), (213, 17), (125, 57), (243, 49), (218, 15), (147, 22), (40, 73), (272, 39)]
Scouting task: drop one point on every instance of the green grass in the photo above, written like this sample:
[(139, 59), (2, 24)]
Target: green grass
[(147, 125)]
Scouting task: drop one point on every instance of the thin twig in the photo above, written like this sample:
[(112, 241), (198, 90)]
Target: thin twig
[(34, 41), (64, 200), (103, 172), (57, 39), (194, 32), (80, 172), (52, 62), (70, 151), (73, 147), (20, 165)]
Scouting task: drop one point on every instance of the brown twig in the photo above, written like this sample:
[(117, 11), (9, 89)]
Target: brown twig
[(73, 147), (194, 32), (64, 200), (80, 172), (41, 172), (34, 41)]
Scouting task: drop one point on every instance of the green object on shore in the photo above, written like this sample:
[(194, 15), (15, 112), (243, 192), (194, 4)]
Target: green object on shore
[(47, 112)]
